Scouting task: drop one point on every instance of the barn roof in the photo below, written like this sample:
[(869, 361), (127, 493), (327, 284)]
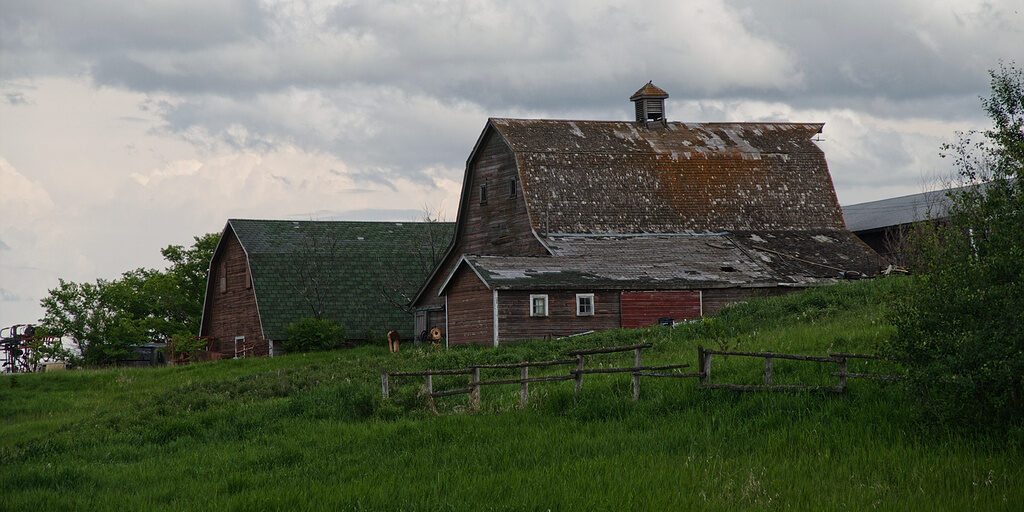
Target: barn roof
[(352, 259), (680, 261), (619, 177), (897, 211)]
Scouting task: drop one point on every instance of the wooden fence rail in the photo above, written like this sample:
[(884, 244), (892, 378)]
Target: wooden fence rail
[(524, 380), (840, 358), (638, 370)]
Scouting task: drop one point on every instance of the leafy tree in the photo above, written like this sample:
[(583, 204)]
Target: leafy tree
[(311, 334), (142, 306), (960, 329)]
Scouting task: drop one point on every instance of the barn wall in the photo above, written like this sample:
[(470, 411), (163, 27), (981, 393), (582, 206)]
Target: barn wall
[(470, 310), (644, 308), (718, 298), (232, 312), (501, 227), (515, 322)]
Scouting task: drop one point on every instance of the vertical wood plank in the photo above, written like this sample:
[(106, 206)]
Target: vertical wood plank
[(636, 377), (385, 388), (474, 396), (767, 371), (842, 375), (524, 392), (579, 374), (707, 368), (700, 365), (430, 384)]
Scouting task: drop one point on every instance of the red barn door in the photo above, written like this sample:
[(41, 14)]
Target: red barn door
[(640, 309)]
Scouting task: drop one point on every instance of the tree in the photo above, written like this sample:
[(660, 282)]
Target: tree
[(960, 327), (142, 306), (402, 270)]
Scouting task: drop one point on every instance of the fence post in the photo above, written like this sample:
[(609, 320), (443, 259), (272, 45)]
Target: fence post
[(767, 371), (700, 364), (385, 388), (636, 377), (430, 384), (524, 392), (474, 395), (579, 373), (707, 369), (842, 374)]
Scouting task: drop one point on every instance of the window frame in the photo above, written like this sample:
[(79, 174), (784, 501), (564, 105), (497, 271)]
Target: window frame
[(547, 304), (483, 194), (593, 304), (513, 190)]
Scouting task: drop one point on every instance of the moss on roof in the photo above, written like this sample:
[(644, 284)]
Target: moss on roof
[(358, 273)]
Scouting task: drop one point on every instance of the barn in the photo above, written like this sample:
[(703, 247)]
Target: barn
[(266, 274), (568, 226)]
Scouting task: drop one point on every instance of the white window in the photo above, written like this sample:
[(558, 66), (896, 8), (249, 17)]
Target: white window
[(584, 304), (538, 305)]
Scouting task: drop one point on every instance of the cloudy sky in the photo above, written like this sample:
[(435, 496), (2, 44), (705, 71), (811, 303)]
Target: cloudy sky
[(126, 126)]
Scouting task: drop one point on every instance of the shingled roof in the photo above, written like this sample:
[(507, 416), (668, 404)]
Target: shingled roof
[(684, 261), (617, 177), (351, 256)]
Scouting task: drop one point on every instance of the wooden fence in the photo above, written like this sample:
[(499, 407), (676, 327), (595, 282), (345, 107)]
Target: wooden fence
[(704, 358), (704, 365)]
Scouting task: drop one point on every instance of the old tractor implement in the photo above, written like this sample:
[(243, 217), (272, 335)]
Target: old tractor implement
[(19, 348)]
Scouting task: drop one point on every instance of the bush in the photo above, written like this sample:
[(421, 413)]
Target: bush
[(312, 334), (960, 326)]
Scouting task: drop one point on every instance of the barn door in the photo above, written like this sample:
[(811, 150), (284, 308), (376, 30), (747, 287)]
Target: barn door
[(640, 309)]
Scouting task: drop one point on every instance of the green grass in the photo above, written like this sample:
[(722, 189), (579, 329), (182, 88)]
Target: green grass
[(311, 432)]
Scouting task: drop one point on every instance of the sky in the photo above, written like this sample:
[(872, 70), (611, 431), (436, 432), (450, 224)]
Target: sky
[(127, 126)]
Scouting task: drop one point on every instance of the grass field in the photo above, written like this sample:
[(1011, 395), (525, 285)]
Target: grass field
[(311, 432)]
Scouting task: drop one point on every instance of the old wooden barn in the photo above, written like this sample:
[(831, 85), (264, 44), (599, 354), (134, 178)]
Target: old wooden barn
[(266, 274), (573, 226)]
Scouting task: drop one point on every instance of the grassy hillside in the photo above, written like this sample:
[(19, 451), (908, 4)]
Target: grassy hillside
[(311, 432)]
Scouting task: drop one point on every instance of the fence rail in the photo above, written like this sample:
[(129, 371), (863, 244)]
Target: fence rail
[(638, 370)]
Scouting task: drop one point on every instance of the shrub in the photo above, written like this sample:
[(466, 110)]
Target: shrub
[(312, 334), (960, 326)]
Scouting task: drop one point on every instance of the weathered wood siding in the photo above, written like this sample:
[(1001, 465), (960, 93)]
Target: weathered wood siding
[(718, 298), (644, 308), (515, 322), (500, 227), (470, 311), (232, 312)]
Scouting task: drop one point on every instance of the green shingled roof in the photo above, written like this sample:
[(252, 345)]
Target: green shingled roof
[(363, 271)]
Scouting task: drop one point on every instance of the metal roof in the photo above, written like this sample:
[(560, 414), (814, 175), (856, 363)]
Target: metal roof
[(896, 211)]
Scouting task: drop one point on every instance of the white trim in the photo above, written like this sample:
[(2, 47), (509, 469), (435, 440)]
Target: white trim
[(270, 348), (547, 310), (593, 304), (701, 300), (495, 307), (446, 333), (444, 285)]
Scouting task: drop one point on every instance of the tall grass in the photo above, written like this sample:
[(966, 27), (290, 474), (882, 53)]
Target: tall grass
[(311, 431)]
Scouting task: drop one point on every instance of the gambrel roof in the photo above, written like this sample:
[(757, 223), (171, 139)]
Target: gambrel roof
[(351, 259), (618, 177)]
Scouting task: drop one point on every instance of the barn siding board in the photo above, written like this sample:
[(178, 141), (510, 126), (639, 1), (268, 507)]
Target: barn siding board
[(644, 308), (470, 310), (515, 322), (718, 298), (501, 227), (233, 312)]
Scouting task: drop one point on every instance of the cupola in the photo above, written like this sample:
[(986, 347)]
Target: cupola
[(650, 105)]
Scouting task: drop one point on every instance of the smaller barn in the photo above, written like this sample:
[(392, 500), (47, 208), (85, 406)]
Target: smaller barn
[(266, 274)]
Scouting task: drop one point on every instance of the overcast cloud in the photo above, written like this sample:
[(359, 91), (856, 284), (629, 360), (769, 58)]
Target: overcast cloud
[(128, 126)]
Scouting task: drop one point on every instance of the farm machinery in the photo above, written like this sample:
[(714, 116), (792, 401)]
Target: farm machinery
[(21, 351)]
